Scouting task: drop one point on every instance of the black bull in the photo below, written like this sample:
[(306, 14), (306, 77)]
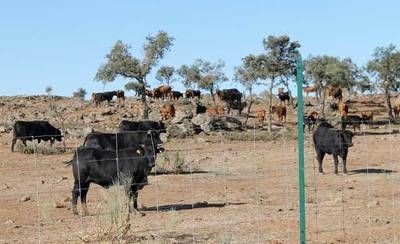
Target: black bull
[(34, 130), (144, 125), (121, 140), (328, 140), (129, 167)]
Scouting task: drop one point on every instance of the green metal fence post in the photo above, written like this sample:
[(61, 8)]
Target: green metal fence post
[(301, 150)]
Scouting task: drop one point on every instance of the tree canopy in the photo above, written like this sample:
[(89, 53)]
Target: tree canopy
[(384, 67), (165, 74), (120, 62)]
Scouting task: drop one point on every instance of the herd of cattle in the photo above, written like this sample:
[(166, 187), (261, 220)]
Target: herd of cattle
[(105, 158), (231, 98)]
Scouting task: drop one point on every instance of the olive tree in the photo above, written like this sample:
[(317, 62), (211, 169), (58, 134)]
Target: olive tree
[(384, 67), (165, 74), (277, 64), (246, 74), (120, 62), (326, 71), (80, 93), (189, 74)]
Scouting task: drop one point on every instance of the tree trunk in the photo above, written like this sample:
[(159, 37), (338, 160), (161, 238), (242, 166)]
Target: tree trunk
[(212, 96), (290, 94), (388, 103), (249, 107), (322, 99), (144, 100), (270, 105)]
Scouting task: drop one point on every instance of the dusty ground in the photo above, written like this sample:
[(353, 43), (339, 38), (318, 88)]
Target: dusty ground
[(238, 192)]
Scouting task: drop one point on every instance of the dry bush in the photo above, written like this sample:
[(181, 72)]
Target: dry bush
[(42, 148), (113, 222), (261, 135), (172, 165)]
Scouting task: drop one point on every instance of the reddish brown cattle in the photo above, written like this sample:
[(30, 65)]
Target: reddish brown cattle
[(335, 92), (309, 89), (215, 110), (367, 117), (260, 113), (396, 110), (149, 93), (120, 95), (167, 111), (162, 91), (280, 111)]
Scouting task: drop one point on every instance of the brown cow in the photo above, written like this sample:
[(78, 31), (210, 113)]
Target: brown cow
[(343, 109), (368, 117), (215, 110), (120, 95), (314, 114), (309, 89), (280, 111), (167, 111), (149, 93), (335, 92), (396, 110), (260, 112), (162, 91)]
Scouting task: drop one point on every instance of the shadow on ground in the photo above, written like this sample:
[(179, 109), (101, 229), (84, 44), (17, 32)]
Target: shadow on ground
[(178, 207), (372, 171)]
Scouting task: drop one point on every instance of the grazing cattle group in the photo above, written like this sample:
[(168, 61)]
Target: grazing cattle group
[(127, 157)]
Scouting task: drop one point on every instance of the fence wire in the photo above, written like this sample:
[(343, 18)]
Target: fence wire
[(228, 192)]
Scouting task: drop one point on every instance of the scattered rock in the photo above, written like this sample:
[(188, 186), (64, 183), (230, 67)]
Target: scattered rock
[(9, 222), (180, 117), (373, 203), (3, 129), (67, 199), (58, 205), (25, 199), (204, 121), (164, 137)]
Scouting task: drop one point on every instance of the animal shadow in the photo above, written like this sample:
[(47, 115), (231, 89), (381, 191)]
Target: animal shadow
[(372, 171), (178, 207)]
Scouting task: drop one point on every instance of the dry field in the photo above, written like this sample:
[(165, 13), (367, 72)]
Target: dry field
[(228, 191)]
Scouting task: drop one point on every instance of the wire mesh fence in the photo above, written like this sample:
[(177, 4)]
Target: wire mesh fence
[(214, 190)]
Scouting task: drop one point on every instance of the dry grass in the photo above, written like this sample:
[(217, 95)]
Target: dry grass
[(114, 215), (174, 164), (261, 135)]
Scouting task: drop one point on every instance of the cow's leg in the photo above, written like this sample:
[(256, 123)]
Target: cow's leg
[(84, 191), (14, 140), (133, 196), (320, 157), (344, 158), (336, 162), (75, 195), (24, 142)]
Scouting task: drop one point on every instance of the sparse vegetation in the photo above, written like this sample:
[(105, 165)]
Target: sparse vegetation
[(261, 135), (80, 93), (175, 164), (42, 148)]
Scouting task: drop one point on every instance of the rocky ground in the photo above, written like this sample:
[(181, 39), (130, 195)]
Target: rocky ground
[(230, 188)]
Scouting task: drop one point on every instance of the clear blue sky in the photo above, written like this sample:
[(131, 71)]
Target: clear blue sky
[(62, 43)]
